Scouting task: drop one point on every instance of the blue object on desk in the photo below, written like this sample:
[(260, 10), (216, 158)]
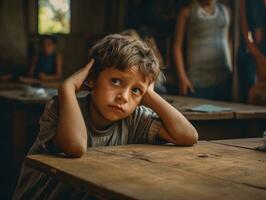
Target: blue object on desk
[(209, 108)]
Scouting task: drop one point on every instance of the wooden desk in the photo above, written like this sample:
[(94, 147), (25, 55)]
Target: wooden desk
[(248, 143), (24, 110), (15, 85), (204, 171), (242, 121)]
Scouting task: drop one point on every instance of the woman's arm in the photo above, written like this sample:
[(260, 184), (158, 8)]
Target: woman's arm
[(71, 136), (245, 31), (176, 128), (184, 83), (260, 59), (229, 32)]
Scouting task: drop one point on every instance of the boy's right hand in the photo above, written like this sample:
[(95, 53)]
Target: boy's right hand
[(77, 79)]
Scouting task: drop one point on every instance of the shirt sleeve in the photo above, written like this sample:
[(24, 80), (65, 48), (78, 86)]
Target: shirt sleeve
[(144, 126), (48, 127)]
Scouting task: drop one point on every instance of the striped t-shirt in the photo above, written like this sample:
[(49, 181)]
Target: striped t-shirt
[(141, 127)]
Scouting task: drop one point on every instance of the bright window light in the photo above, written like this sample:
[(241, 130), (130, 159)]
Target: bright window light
[(54, 16)]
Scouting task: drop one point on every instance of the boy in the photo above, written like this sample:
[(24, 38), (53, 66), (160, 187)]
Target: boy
[(119, 73)]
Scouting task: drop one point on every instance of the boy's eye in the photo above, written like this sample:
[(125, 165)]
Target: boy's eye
[(115, 81), (136, 90)]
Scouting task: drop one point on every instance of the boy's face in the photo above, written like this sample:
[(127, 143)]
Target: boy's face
[(116, 94)]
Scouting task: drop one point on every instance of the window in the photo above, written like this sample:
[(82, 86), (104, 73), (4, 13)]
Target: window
[(54, 16)]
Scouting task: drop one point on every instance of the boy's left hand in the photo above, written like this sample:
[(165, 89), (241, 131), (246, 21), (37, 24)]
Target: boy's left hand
[(145, 100)]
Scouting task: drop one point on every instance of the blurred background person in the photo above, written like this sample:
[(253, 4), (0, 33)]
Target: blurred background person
[(204, 68), (47, 64), (252, 51)]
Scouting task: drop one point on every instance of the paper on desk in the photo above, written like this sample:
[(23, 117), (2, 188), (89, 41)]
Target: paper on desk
[(209, 108), (261, 148)]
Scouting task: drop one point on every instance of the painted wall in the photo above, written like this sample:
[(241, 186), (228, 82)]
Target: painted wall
[(18, 28), (13, 40)]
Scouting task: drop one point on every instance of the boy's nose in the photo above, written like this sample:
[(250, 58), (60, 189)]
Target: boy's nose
[(123, 96)]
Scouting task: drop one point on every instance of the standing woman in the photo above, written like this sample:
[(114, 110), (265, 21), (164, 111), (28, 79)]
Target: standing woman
[(204, 70)]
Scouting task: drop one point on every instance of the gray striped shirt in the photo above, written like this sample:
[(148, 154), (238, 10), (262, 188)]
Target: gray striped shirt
[(141, 127)]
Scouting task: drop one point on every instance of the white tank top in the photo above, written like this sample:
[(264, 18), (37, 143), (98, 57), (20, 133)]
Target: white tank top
[(208, 56)]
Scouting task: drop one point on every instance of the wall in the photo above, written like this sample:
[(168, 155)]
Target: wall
[(87, 19), (13, 41), (18, 28)]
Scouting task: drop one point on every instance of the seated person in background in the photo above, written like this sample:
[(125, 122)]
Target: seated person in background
[(47, 64), (119, 75)]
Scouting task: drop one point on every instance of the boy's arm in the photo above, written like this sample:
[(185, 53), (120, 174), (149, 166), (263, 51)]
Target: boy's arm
[(71, 136), (176, 128)]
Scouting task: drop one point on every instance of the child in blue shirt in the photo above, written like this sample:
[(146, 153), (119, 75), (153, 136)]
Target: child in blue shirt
[(47, 64)]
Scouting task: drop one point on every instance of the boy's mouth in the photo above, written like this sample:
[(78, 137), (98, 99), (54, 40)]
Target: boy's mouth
[(119, 108)]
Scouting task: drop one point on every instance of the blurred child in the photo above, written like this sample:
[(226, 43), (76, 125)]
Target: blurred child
[(118, 76), (47, 64)]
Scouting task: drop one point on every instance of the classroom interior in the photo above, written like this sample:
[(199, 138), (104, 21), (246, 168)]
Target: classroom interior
[(77, 25)]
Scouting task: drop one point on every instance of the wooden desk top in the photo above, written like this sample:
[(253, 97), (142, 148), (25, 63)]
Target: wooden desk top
[(204, 171), (16, 85), (23, 93), (249, 143), (239, 111), (23, 97)]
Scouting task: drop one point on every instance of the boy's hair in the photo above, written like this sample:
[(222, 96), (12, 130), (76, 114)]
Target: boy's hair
[(122, 52), (130, 32)]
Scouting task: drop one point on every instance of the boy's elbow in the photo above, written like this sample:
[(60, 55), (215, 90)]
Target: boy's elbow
[(193, 137), (193, 141), (190, 138), (75, 152)]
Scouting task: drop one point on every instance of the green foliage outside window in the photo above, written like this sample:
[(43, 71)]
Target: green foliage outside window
[(54, 16)]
